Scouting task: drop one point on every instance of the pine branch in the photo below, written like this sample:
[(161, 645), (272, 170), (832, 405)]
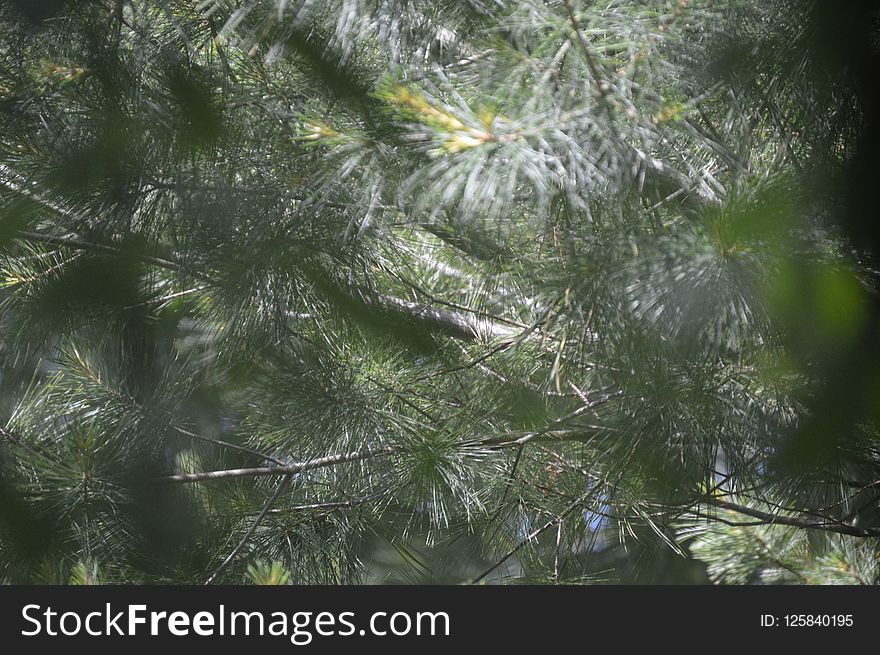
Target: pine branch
[(226, 444), (460, 325), (665, 176), (75, 243), (556, 520), (777, 519), (287, 469), (330, 505), (453, 323), (332, 460), (253, 528)]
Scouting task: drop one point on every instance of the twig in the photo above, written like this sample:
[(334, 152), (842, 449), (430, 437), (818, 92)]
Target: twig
[(776, 519), (247, 535), (226, 444), (534, 535), (287, 469)]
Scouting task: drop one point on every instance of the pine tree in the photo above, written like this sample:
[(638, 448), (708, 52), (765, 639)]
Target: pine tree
[(382, 290)]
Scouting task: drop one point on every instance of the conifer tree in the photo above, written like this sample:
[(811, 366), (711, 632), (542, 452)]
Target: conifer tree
[(466, 291)]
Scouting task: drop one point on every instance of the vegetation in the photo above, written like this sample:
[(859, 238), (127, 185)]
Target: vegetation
[(463, 291)]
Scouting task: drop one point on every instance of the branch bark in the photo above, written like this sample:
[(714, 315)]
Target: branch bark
[(288, 469), (809, 524)]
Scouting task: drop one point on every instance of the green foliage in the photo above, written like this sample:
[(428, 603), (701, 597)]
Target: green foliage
[(398, 290), (267, 574), (739, 553)]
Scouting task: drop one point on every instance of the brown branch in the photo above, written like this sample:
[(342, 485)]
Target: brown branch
[(793, 521)]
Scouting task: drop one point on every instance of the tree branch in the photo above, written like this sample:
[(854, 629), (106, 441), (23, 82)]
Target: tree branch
[(534, 535), (809, 524), (247, 535), (458, 324), (288, 469)]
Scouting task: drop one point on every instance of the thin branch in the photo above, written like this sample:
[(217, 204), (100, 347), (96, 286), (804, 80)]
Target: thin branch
[(247, 535), (601, 84), (776, 519), (665, 173), (534, 535), (287, 469), (453, 323), (331, 460), (330, 505), (529, 436), (504, 345), (81, 244), (226, 444)]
